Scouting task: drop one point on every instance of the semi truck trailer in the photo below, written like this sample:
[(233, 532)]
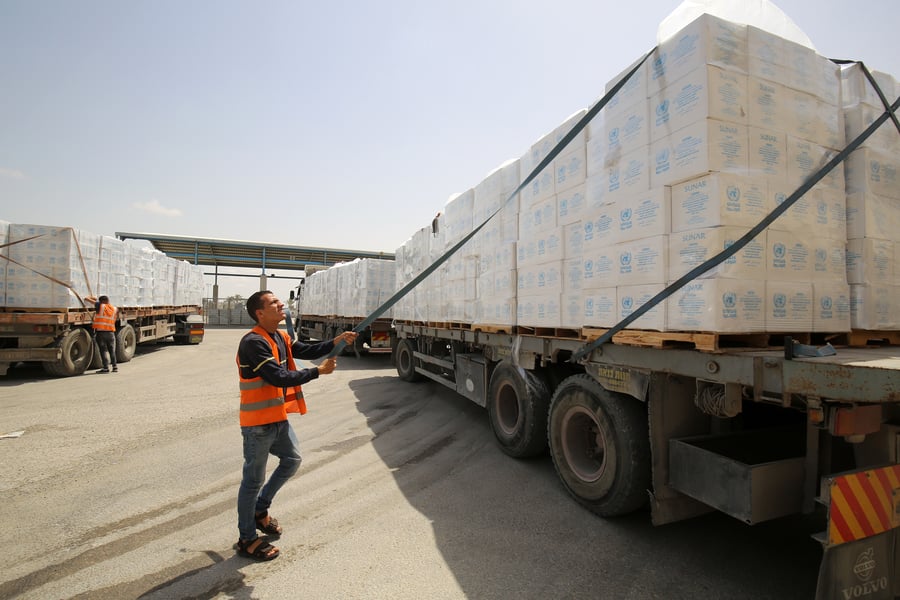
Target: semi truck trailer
[(47, 273), (62, 341)]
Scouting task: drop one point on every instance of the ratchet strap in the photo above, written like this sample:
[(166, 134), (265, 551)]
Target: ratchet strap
[(576, 129)]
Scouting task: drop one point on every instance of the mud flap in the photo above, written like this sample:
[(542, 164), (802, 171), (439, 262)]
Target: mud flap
[(865, 569), (861, 552)]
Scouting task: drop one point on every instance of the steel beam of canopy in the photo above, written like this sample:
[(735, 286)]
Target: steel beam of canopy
[(247, 254)]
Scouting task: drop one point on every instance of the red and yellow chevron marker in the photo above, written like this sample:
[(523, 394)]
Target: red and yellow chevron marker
[(863, 504)]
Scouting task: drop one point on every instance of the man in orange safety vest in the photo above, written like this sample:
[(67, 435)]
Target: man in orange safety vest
[(105, 331), (270, 388)]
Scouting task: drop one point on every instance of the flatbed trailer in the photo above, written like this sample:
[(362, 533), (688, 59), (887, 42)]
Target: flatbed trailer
[(374, 338), (758, 433), (62, 341)]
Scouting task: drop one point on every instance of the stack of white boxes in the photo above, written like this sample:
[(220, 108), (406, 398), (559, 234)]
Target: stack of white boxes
[(740, 119), (718, 127), (495, 245), (353, 289), (549, 206), (412, 258), (53, 267), (873, 204)]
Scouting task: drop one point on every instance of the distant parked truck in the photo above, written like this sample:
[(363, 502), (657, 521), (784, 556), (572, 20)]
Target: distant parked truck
[(47, 272), (339, 299)]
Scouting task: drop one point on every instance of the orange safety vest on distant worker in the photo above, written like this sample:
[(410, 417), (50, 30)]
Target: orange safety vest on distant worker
[(263, 403), (105, 318)]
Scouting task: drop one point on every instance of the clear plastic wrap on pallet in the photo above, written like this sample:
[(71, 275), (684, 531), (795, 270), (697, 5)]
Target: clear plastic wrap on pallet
[(353, 289), (50, 267)]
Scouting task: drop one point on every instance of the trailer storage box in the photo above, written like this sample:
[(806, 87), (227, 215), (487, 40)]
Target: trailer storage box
[(753, 476)]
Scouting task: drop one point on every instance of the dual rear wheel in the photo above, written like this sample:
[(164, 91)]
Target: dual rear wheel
[(599, 440)]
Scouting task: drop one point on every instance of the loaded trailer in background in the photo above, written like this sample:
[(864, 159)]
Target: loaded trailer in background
[(330, 301), (48, 272), (762, 385)]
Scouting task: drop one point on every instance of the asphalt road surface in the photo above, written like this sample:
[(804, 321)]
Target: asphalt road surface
[(124, 486)]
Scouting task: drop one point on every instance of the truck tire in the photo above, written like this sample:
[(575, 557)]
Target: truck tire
[(96, 359), (600, 446), (406, 362), (517, 403), (77, 351), (126, 342)]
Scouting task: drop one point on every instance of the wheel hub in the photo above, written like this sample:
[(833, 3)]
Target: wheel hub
[(583, 444)]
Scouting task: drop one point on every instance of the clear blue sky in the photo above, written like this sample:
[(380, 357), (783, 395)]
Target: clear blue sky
[(338, 124)]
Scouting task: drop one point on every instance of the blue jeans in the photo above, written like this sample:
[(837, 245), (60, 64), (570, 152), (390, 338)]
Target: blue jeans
[(279, 440)]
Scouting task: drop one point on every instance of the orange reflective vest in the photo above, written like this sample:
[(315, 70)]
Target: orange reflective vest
[(263, 403), (105, 318)]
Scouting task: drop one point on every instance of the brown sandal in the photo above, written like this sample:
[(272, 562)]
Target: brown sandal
[(268, 524), (258, 549)]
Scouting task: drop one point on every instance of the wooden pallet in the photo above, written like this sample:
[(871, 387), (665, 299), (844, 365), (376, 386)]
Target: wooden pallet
[(860, 337), (490, 328), (57, 309), (553, 332), (704, 340)]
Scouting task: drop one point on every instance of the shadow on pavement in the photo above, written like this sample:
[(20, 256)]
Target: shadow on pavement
[(508, 529)]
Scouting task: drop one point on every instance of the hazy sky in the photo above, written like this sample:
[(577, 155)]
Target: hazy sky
[(342, 124)]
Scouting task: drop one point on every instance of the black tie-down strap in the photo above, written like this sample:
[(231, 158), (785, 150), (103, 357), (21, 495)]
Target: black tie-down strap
[(576, 129)]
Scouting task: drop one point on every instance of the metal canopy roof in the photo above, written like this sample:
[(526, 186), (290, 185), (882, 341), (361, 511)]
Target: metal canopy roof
[(235, 253)]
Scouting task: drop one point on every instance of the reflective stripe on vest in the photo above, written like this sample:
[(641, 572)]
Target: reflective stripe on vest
[(263, 403), (105, 318)]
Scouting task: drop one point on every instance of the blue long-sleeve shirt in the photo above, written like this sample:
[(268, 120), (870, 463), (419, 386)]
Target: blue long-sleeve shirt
[(256, 359)]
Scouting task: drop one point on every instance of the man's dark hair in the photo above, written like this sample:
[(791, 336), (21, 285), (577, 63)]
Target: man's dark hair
[(255, 303), (103, 299)]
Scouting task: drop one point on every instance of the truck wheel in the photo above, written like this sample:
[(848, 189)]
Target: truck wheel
[(406, 362), (126, 342), (77, 351), (600, 446), (96, 359), (517, 403)]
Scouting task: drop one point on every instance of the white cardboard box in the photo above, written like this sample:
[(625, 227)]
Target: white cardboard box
[(628, 175), (539, 311), (690, 249), (697, 149), (570, 168), (831, 307), (805, 158), (870, 261), (706, 40), (630, 298), (718, 305), (542, 279), (599, 307), (719, 199), (571, 205), (643, 261), (644, 215), (626, 130), (789, 257), (873, 171), (767, 104), (789, 306), (829, 260), (874, 307), (706, 92), (542, 247), (767, 154)]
